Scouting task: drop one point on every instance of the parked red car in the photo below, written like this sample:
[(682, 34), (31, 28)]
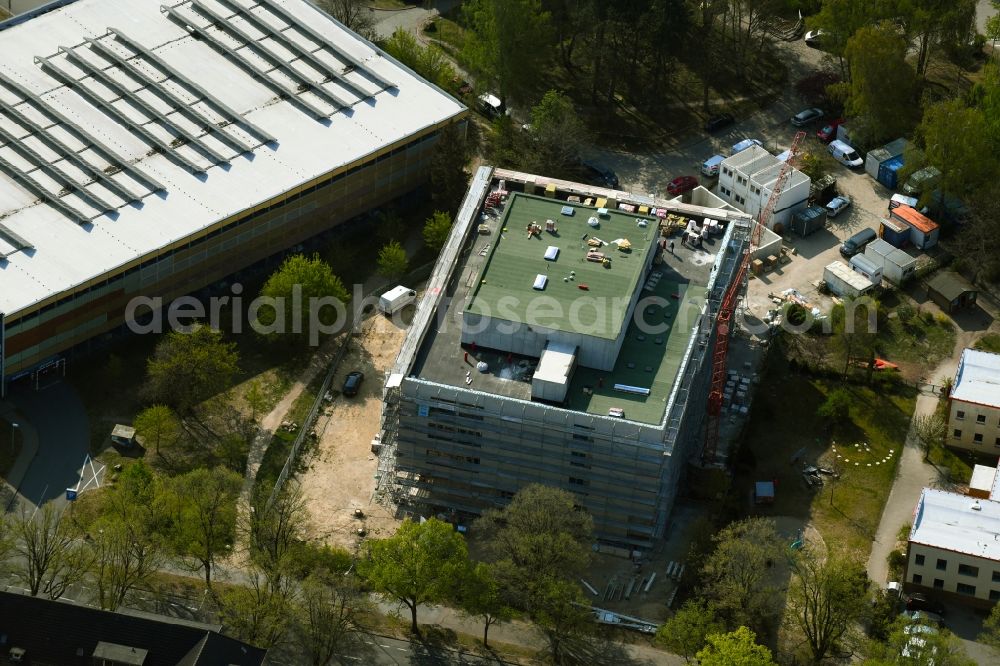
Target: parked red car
[(829, 132), (681, 184)]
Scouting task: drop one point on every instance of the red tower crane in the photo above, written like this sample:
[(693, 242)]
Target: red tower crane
[(728, 307)]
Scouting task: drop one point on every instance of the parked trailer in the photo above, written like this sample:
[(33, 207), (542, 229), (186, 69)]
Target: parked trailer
[(867, 267), (844, 282)]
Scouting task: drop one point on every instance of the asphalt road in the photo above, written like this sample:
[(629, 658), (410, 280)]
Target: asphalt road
[(382, 650), (63, 429)]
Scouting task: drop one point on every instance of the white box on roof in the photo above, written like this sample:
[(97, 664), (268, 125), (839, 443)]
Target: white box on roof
[(555, 369)]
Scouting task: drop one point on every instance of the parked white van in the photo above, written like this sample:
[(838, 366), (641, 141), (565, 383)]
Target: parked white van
[(710, 167), (844, 154), (396, 299)]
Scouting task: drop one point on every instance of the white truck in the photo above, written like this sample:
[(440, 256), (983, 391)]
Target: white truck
[(396, 299)]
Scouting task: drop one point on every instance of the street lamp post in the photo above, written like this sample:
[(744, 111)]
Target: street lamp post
[(13, 429)]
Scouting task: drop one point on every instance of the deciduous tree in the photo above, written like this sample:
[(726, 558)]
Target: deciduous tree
[(392, 261), (202, 506), (427, 61), (953, 136), (482, 597), (187, 368), (878, 54), (436, 230), (991, 630), (827, 599), (541, 534), (420, 563), (557, 135), (686, 631), (737, 573), (299, 294), (510, 44), (157, 425), (737, 647)]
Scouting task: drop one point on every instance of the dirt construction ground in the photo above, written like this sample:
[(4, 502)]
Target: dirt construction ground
[(340, 477)]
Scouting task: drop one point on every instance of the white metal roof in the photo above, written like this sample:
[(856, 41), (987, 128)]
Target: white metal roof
[(887, 251), (841, 270), (762, 167), (978, 378), (950, 521), (63, 253), (555, 363)]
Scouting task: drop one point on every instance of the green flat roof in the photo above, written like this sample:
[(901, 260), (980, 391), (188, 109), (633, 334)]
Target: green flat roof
[(654, 356), (515, 260)]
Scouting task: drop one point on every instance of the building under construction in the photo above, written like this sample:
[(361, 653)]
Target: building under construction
[(565, 338)]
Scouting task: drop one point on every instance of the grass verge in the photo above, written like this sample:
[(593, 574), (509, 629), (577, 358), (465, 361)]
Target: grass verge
[(281, 442)]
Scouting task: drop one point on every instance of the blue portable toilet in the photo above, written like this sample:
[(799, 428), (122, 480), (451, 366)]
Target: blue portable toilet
[(888, 172)]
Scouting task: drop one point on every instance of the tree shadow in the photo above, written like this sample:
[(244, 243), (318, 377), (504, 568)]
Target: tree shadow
[(587, 650)]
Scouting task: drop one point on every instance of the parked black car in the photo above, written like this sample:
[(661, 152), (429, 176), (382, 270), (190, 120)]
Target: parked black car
[(352, 383), (715, 123), (919, 602), (601, 175)]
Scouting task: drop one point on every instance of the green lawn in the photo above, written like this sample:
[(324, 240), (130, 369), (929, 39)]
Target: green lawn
[(925, 339), (784, 422), (989, 342)]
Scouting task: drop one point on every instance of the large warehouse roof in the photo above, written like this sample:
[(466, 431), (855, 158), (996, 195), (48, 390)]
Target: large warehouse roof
[(128, 125)]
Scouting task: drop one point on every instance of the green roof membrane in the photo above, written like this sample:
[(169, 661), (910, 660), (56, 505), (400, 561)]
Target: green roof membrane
[(505, 290), (654, 354)]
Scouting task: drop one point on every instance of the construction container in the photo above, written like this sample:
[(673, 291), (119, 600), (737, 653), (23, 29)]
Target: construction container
[(876, 158), (870, 269), (894, 232), (897, 266), (923, 231), (888, 172), (809, 220), (844, 282)]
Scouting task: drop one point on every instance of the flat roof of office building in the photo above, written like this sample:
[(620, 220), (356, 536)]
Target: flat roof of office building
[(506, 282), (648, 359), (957, 523), (128, 127)]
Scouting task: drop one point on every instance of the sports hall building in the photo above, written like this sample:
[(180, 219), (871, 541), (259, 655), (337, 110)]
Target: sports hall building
[(152, 147)]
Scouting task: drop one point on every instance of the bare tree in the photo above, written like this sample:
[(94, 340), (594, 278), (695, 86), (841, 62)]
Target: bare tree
[(356, 15), (929, 429), (123, 560), (50, 559), (258, 611), (271, 528), (328, 614), (828, 598)]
